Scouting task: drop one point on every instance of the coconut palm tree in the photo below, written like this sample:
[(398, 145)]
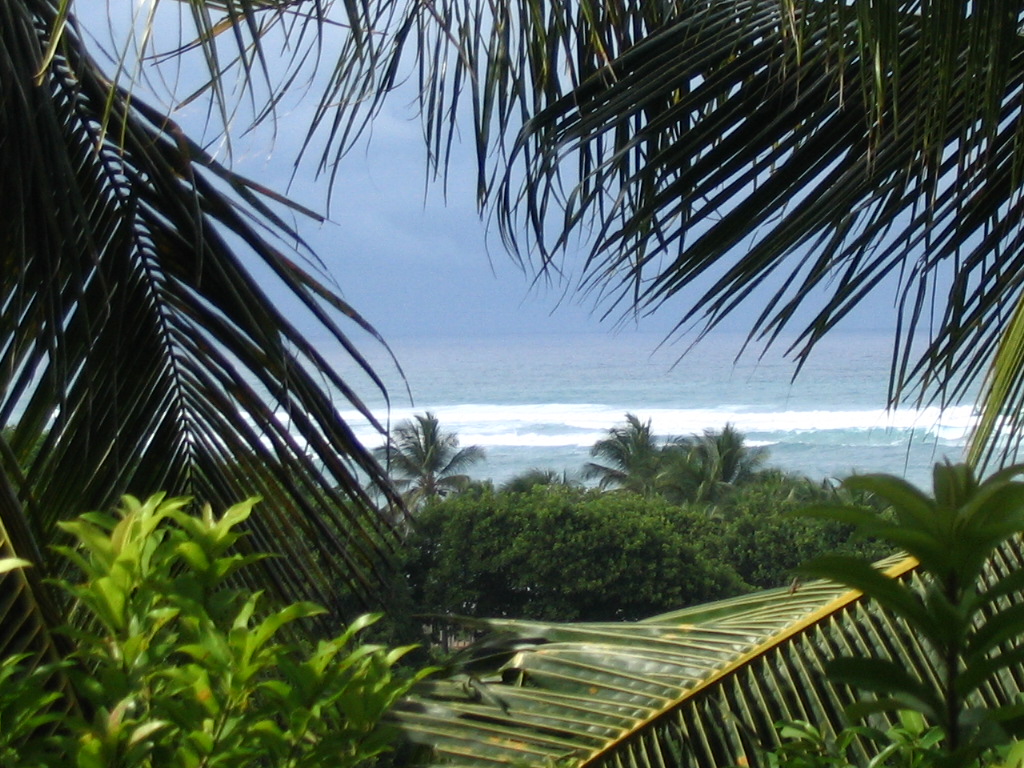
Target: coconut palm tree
[(723, 460), (630, 458), (726, 450), (701, 467), (682, 476), (425, 461)]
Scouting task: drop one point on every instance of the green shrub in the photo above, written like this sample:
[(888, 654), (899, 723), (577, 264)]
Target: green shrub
[(27, 709), (176, 666), (756, 532), (910, 743), (557, 553), (969, 616)]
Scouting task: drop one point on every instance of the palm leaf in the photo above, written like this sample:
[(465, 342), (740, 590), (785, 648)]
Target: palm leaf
[(786, 160), (138, 348), (1000, 414), (28, 614), (719, 153), (697, 687), (25, 606)]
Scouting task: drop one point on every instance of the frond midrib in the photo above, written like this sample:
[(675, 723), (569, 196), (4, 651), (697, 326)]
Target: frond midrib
[(901, 569)]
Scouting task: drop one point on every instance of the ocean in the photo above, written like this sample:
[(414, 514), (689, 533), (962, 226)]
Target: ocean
[(541, 401)]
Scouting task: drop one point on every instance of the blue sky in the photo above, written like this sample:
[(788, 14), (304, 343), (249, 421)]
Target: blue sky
[(410, 261), (417, 264)]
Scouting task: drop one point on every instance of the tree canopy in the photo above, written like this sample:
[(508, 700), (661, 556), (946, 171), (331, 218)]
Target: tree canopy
[(425, 461), (561, 554)]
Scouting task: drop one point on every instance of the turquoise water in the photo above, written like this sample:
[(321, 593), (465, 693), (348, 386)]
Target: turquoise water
[(542, 401)]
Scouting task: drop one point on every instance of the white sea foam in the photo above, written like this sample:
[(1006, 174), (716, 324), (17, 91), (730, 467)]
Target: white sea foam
[(543, 402), (582, 424)]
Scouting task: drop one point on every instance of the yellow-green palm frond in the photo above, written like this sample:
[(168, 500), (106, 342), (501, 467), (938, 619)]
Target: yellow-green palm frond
[(698, 687)]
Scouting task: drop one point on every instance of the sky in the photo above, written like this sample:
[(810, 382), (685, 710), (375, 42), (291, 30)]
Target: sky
[(415, 261), (416, 264), (412, 260)]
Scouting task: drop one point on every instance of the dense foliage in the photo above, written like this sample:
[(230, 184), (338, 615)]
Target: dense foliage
[(558, 553), (764, 541), (956, 606), (175, 667), (562, 553), (929, 650)]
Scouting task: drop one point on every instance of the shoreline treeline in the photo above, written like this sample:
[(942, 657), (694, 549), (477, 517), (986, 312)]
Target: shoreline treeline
[(671, 522)]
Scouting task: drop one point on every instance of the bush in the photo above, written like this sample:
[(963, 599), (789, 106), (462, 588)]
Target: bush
[(175, 666), (758, 535), (558, 553)]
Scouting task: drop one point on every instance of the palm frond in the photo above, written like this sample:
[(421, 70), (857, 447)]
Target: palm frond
[(792, 161), (720, 152), (697, 687), (786, 160), (26, 609), (27, 613), (1000, 405), (138, 349), (462, 459)]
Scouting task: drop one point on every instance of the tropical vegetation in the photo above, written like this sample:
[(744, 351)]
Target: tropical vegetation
[(784, 162), (139, 351), (560, 554), (536, 476), (174, 666), (555, 552), (937, 634), (425, 461), (716, 157), (632, 456), (958, 609), (778, 160), (697, 468), (723, 460)]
